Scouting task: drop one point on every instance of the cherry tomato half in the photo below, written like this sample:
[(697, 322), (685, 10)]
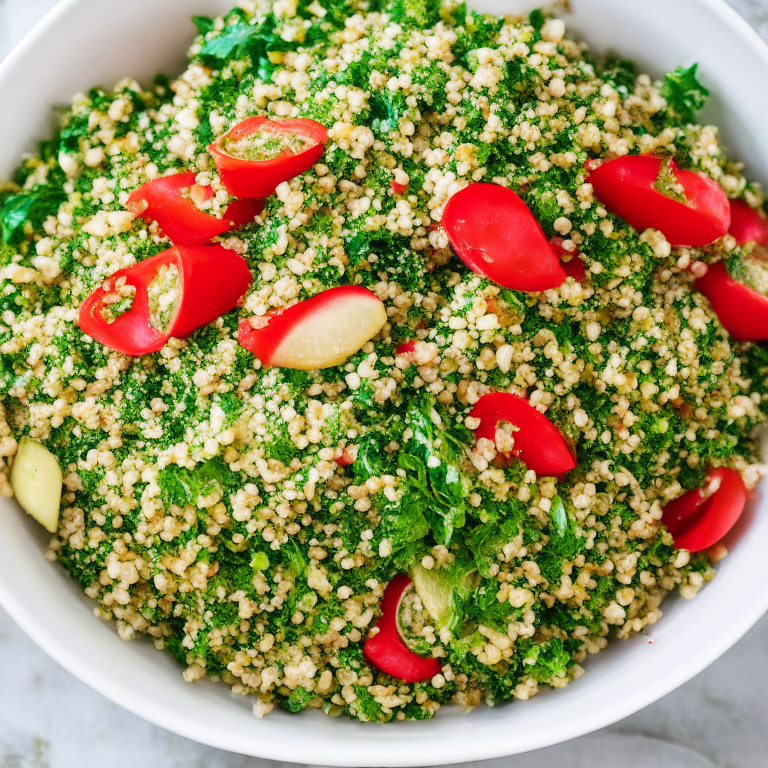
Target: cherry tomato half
[(211, 280), (492, 231), (258, 154), (167, 201), (538, 442), (629, 187), (386, 650), (742, 311), (701, 517), (748, 225)]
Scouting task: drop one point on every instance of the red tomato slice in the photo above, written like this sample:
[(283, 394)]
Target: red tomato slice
[(211, 281), (748, 225), (626, 186), (406, 348), (742, 311), (386, 650), (166, 200), (574, 267), (492, 231), (701, 517), (259, 178), (538, 442), (345, 459), (682, 508), (215, 279)]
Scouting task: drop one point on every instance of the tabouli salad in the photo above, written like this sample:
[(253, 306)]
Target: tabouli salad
[(393, 355)]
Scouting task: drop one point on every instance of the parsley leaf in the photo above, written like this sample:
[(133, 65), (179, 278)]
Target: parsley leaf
[(420, 13), (557, 516), (18, 209), (232, 37), (182, 486), (564, 543), (547, 660), (685, 95), (433, 457), (387, 109), (204, 24), (537, 19)]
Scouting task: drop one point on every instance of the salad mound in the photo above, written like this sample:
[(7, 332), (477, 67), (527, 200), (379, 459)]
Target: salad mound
[(421, 377)]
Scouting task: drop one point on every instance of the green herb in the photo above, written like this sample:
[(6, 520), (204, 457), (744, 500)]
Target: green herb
[(564, 543), (240, 39), (685, 95), (28, 206), (299, 699), (557, 516), (620, 72), (387, 109), (204, 24), (184, 486), (418, 13), (547, 660), (537, 19), (433, 459)]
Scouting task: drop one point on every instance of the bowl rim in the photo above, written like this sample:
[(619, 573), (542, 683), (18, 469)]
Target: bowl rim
[(301, 751)]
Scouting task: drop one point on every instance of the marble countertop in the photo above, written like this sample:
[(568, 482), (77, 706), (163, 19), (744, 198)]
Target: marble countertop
[(48, 719)]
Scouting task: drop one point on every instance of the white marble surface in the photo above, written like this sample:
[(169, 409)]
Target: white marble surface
[(48, 719)]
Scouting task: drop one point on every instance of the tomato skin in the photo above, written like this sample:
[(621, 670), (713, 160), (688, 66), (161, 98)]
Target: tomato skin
[(406, 348), (742, 311), (494, 233), (748, 225), (345, 459), (575, 266), (679, 510), (131, 334), (180, 220), (259, 178), (538, 442), (698, 520), (215, 281), (212, 280), (626, 187), (386, 650)]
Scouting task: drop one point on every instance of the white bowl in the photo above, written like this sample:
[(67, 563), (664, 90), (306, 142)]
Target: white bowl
[(84, 42)]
